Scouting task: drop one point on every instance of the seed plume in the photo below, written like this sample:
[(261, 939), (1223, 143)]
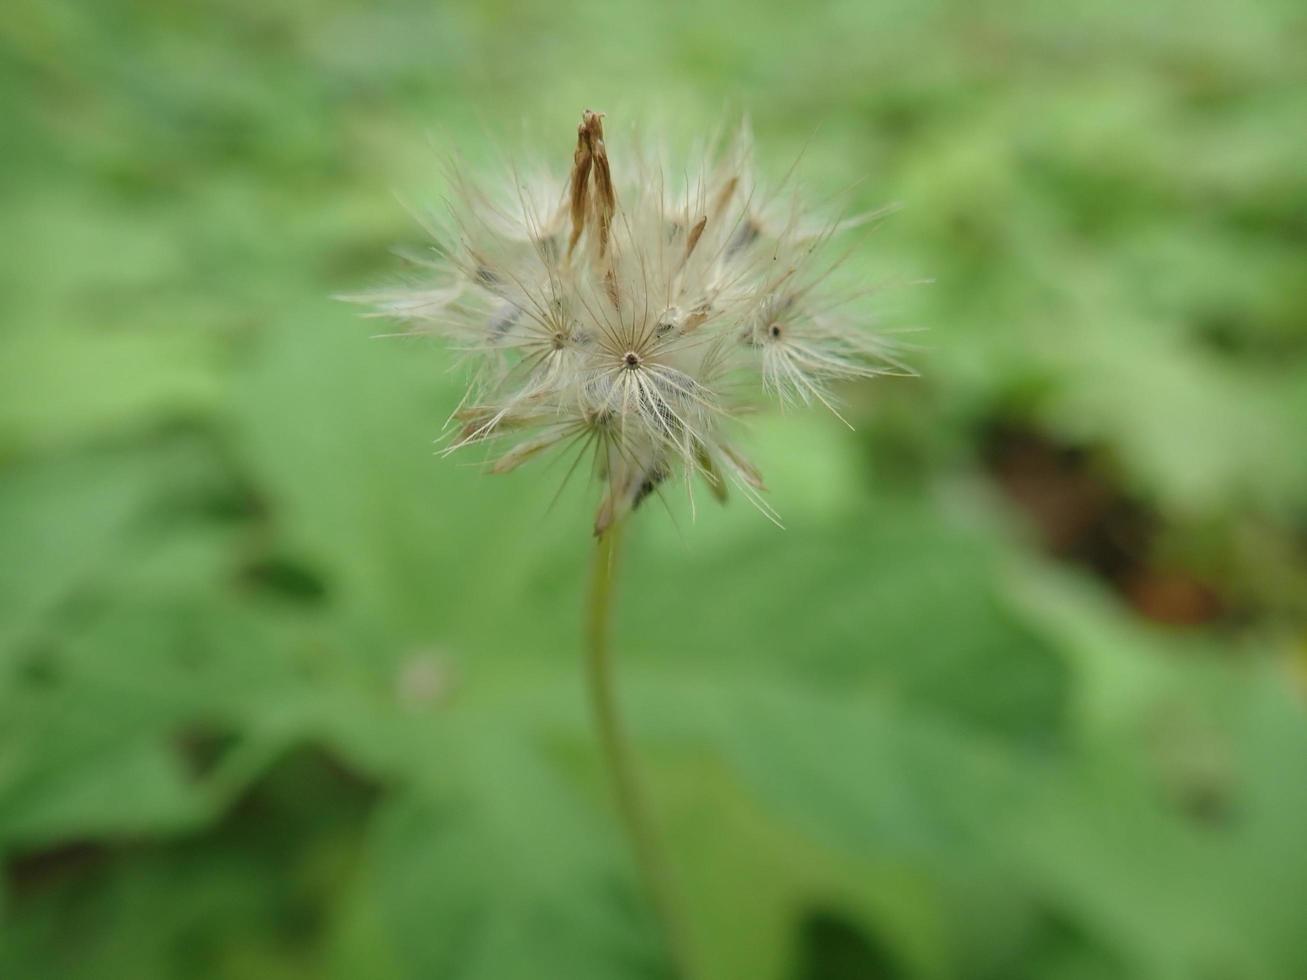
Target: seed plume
[(636, 320)]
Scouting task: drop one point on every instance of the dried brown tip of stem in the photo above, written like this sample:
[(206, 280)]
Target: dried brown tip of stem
[(747, 471), (591, 160), (710, 475), (610, 287), (695, 234), (579, 185), (605, 196)]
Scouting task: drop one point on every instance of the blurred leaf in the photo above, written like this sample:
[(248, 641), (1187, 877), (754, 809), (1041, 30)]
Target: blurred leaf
[(498, 877)]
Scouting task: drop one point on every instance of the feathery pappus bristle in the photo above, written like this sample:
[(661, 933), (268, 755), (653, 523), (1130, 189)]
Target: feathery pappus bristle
[(635, 317)]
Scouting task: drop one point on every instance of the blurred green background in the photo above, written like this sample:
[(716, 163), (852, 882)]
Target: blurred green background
[(1018, 695)]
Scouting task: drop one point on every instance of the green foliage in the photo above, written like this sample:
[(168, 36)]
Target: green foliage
[(283, 695)]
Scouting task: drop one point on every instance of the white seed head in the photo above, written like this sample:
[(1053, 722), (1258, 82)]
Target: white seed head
[(635, 316)]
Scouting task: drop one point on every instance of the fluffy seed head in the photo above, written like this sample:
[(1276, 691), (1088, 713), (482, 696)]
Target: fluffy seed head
[(636, 317)]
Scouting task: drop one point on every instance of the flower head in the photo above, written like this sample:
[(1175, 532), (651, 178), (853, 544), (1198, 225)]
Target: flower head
[(635, 317)]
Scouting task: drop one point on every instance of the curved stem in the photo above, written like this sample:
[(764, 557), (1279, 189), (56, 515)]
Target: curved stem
[(617, 755)]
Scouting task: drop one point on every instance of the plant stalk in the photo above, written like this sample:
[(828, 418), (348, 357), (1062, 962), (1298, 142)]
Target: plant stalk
[(631, 804)]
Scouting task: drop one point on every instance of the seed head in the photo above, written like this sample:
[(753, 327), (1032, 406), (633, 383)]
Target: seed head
[(636, 321)]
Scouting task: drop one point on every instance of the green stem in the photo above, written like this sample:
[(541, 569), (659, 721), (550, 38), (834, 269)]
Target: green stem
[(617, 754)]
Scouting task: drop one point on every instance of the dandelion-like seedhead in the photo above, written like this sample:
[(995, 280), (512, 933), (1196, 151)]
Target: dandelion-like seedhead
[(634, 317)]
